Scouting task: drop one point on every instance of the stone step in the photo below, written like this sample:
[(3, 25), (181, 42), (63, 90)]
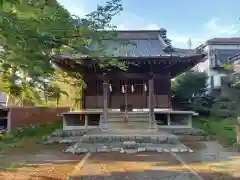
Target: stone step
[(184, 131), (129, 115), (68, 133), (62, 140), (171, 139), (190, 138), (129, 144), (79, 148)]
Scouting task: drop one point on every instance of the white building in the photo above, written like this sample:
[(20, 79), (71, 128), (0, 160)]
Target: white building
[(218, 51)]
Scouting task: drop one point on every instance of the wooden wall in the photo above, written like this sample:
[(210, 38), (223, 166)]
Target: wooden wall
[(19, 117), (93, 94)]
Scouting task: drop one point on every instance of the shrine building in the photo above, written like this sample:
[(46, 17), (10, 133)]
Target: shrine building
[(142, 93)]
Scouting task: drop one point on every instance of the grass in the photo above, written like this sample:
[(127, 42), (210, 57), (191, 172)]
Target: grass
[(35, 132), (224, 130)]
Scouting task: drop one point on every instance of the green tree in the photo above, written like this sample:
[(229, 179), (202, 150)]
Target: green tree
[(54, 92), (34, 33), (188, 85)]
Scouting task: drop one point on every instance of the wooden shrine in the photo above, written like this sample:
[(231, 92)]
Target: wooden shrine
[(147, 82)]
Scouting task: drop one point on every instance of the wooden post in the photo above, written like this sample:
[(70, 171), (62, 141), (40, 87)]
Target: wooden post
[(105, 102), (126, 104), (150, 101), (170, 91)]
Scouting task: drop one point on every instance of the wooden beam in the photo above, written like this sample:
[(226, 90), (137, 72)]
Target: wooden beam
[(121, 76)]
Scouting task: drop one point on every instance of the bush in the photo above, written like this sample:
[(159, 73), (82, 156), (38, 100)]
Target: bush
[(224, 130), (38, 130)]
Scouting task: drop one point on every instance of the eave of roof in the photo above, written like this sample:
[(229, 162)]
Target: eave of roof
[(195, 57), (223, 41)]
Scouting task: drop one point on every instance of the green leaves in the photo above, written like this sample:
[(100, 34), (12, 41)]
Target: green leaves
[(33, 33), (188, 84)]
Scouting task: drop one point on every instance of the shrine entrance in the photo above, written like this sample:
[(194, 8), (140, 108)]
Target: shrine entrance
[(127, 95)]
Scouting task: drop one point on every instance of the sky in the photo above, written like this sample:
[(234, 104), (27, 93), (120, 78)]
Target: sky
[(183, 19)]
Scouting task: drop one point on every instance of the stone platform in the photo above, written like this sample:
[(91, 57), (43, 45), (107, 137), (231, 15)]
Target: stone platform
[(127, 141)]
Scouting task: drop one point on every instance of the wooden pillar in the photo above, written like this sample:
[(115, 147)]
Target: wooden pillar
[(170, 91), (105, 102), (150, 101)]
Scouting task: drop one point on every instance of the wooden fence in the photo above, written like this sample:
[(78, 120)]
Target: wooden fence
[(19, 117)]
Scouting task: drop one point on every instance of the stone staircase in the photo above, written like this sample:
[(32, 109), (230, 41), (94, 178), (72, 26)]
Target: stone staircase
[(135, 120), (128, 142)]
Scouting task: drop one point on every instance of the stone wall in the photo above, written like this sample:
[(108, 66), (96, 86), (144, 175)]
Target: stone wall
[(22, 116)]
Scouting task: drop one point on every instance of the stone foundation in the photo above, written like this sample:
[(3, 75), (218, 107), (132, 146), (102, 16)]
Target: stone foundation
[(127, 141)]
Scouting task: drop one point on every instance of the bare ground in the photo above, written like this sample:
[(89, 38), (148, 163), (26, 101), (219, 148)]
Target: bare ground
[(37, 161), (144, 166), (47, 162)]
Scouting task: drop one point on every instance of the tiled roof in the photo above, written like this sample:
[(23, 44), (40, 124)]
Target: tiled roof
[(133, 48), (224, 40), (134, 44)]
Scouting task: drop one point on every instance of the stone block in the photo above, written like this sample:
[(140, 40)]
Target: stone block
[(103, 149), (175, 150), (151, 149), (93, 149), (173, 140), (183, 150), (65, 141), (122, 150), (190, 150), (125, 138), (81, 150), (110, 139), (116, 149), (141, 149), (116, 138), (131, 138), (162, 140), (56, 133), (129, 144), (146, 139), (154, 140), (159, 149), (86, 139), (166, 150), (131, 151), (138, 139)]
